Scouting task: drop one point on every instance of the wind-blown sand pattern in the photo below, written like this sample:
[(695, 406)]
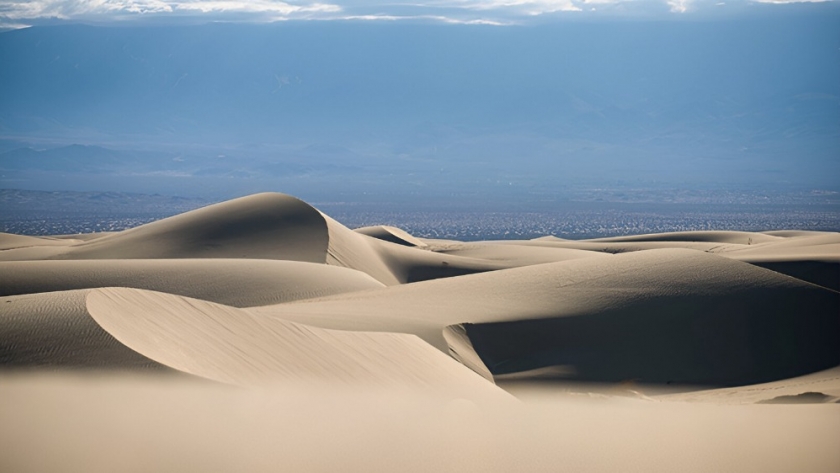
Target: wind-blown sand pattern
[(260, 334)]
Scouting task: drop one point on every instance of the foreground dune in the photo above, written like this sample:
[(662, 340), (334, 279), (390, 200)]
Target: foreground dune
[(236, 335)]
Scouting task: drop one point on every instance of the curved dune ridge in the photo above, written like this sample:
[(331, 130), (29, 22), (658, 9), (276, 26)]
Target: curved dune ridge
[(268, 226), (229, 345)]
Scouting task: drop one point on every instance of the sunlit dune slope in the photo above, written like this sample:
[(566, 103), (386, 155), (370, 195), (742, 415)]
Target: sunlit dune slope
[(230, 345)]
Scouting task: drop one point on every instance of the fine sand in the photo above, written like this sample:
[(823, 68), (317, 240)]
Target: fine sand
[(259, 334)]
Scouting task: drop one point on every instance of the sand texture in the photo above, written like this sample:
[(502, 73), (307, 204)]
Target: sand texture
[(260, 334)]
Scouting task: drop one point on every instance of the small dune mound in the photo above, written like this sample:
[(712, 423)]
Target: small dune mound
[(391, 234), (741, 238), (802, 398), (267, 226), (10, 241)]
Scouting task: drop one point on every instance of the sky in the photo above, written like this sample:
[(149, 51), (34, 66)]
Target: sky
[(453, 94), (21, 13)]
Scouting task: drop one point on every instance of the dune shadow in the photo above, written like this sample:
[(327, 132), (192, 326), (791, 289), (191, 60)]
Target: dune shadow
[(725, 340)]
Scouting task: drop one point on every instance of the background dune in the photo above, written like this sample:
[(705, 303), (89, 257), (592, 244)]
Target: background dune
[(234, 282)]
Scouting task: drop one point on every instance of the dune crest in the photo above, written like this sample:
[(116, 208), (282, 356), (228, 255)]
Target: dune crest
[(268, 226)]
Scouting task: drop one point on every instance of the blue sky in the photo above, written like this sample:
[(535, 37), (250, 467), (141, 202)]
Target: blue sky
[(20, 13), (538, 93)]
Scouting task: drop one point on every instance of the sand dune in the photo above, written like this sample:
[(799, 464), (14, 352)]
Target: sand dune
[(660, 316), (260, 334), (55, 331), (742, 238), (392, 234), (230, 345), (10, 241), (268, 226), (234, 282)]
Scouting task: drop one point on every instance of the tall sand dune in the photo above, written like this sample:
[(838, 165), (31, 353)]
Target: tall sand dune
[(269, 226)]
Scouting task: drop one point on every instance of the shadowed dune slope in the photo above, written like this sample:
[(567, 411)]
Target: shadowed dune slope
[(234, 282), (267, 226), (660, 316), (393, 264), (809, 256), (55, 331), (230, 345), (392, 234)]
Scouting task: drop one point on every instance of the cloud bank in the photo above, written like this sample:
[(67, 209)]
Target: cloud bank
[(21, 13)]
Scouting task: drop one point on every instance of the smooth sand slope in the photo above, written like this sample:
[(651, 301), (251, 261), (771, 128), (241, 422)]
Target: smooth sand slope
[(230, 345), (136, 424)]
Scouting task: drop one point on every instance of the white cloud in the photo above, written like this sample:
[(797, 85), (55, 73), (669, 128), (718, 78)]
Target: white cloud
[(69, 9), (253, 6), (439, 18), (679, 6), (528, 7), (20, 13), (86, 9)]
